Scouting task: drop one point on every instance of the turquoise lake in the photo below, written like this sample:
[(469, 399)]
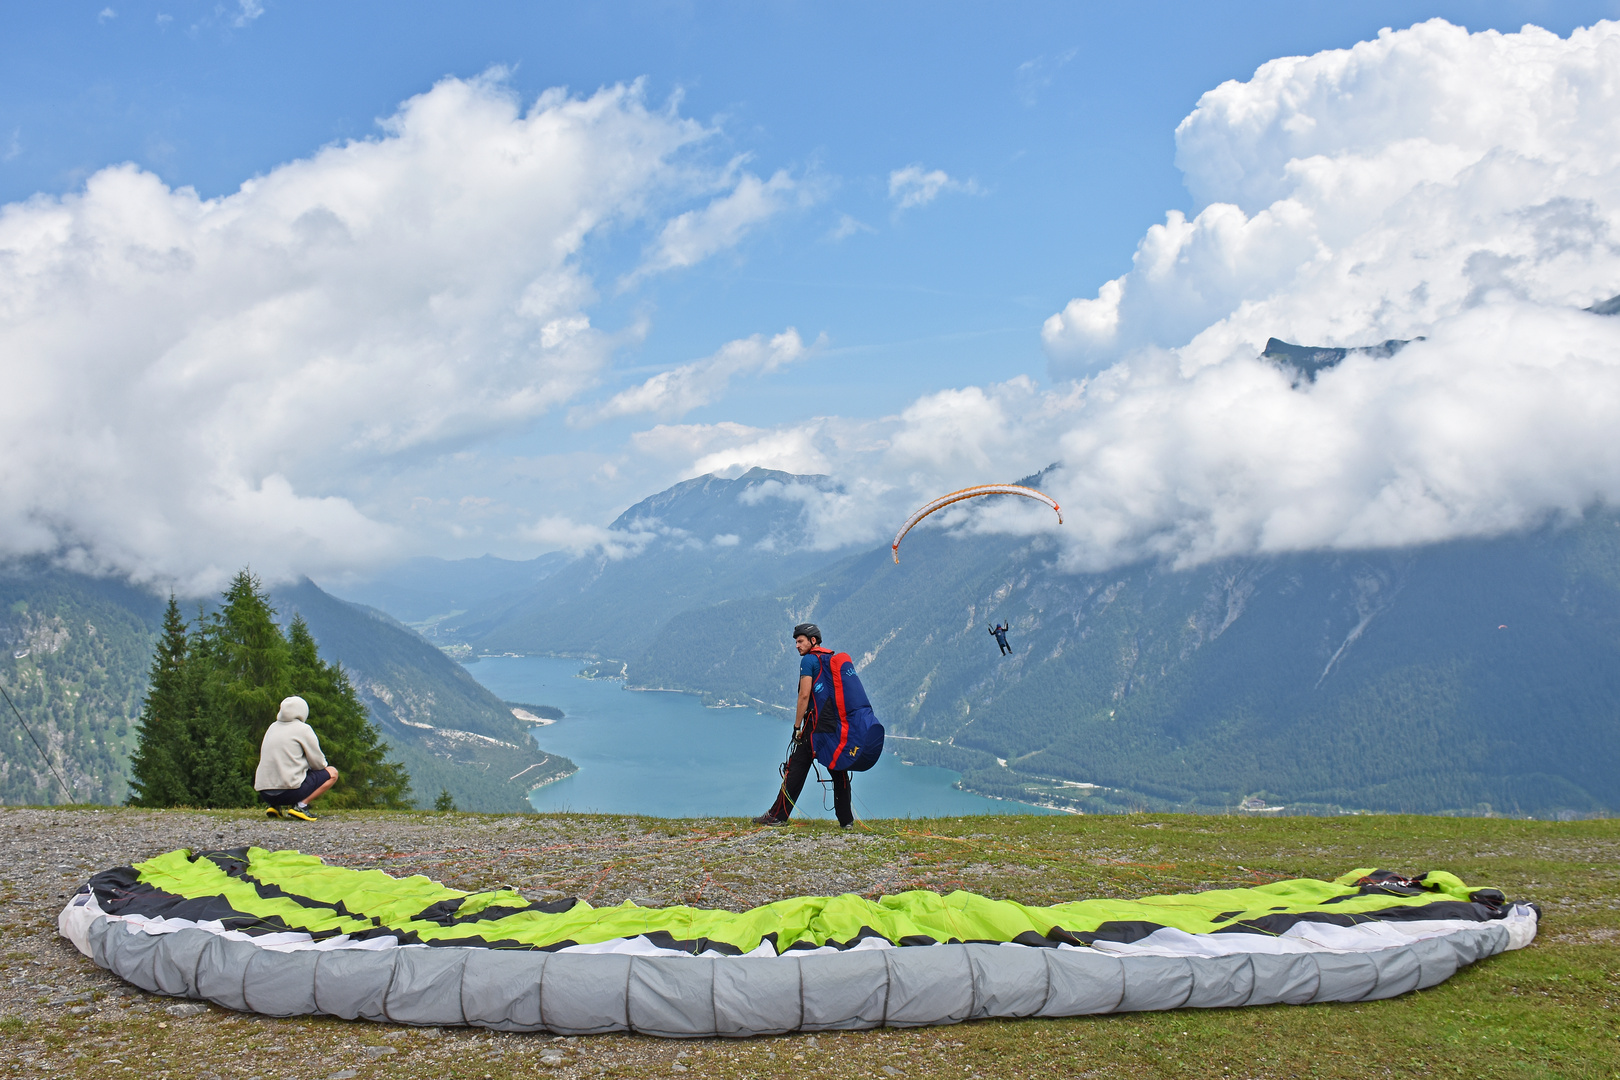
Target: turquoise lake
[(665, 755)]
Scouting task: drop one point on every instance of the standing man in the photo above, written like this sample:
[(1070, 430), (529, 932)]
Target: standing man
[(292, 770), (1001, 637), (816, 712)]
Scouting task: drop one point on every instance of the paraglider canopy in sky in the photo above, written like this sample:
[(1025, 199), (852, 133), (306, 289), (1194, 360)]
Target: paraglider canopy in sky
[(971, 493)]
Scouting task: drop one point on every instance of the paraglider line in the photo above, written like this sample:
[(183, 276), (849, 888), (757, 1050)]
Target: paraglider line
[(41, 749)]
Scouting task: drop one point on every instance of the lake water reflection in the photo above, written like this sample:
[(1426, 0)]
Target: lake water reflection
[(665, 755)]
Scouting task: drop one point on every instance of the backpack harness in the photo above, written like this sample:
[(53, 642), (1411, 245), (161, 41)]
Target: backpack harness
[(857, 741)]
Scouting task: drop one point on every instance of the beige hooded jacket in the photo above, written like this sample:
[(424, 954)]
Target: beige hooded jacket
[(289, 750)]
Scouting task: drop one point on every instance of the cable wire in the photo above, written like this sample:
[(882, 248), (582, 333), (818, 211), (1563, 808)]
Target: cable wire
[(38, 747)]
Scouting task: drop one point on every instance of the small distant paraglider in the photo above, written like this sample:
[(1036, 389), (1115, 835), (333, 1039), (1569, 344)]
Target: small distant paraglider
[(1502, 627), (971, 493)]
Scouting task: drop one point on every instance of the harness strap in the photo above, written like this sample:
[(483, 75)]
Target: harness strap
[(815, 711), (838, 663)]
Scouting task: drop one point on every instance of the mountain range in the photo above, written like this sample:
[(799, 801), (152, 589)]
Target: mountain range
[(77, 649), (1475, 676), (450, 733), (425, 592), (1478, 676), (703, 541)]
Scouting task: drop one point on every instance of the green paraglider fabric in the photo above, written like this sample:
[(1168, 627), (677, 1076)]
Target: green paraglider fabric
[(263, 891)]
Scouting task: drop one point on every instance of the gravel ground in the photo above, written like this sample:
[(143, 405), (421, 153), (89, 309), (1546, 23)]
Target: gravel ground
[(45, 855)]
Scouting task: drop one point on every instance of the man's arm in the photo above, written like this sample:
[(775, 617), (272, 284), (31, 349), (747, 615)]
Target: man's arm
[(312, 750), (801, 717)]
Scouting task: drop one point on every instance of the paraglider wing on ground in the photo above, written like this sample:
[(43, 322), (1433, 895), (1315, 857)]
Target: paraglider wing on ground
[(283, 934)]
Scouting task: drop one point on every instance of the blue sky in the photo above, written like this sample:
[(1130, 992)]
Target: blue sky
[(1055, 124)]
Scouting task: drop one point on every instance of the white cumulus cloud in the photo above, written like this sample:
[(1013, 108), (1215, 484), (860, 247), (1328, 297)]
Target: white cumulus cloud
[(1431, 183), (883, 467), (193, 384), (1363, 194), (678, 391), (1504, 415), (912, 186), (559, 532), (698, 234), (793, 449)]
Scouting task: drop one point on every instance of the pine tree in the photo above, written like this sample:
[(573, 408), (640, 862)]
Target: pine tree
[(244, 662), (159, 772), (251, 661)]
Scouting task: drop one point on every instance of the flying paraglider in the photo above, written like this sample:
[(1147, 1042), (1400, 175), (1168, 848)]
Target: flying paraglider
[(972, 493)]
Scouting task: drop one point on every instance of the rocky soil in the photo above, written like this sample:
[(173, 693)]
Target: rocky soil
[(46, 855)]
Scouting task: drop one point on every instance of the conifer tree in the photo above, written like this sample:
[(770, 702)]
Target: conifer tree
[(159, 765), (250, 657), (246, 662)]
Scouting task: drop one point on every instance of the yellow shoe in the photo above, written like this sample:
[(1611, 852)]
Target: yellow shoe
[(300, 812), (274, 812)]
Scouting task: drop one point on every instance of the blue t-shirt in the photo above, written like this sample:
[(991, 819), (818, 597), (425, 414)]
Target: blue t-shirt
[(821, 692)]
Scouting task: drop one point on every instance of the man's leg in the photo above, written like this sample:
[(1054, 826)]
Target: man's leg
[(324, 788), (798, 767), (315, 785), (841, 807), (278, 800)]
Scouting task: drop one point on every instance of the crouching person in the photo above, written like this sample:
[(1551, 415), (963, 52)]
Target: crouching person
[(292, 770)]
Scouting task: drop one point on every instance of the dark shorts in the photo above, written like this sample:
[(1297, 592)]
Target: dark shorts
[(312, 780)]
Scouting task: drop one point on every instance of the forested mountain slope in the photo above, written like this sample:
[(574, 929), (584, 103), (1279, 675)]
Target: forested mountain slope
[(1471, 676), (450, 732), (403, 679), (75, 660), (77, 653), (431, 595)]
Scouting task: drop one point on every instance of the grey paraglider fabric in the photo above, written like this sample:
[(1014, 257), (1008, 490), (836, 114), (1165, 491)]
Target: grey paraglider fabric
[(681, 996), (283, 934)]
